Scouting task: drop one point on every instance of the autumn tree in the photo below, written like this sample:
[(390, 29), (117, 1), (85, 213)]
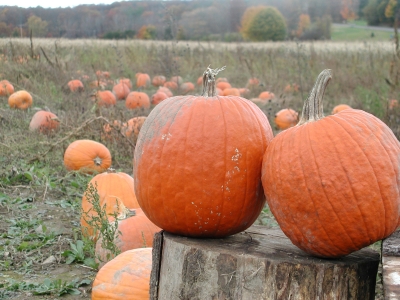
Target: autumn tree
[(267, 24), (347, 10), (146, 32), (37, 26), (304, 23), (247, 18)]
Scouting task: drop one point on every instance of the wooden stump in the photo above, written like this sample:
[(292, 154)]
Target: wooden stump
[(257, 264), (391, 266)]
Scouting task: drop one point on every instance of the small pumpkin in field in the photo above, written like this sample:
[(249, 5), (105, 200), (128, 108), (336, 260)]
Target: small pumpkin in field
[(172, 85), (121, 90), (127, 276), (105, 98), (158, 97), (110, 131), (186, 87), (44, 122), (87, 156), (126, 81), (266, 95), (165, 90), (393, 103), (333, 182), (339, 108), (6, 88), (133, 126), (75, 85), (177, 79), (116, 190), (143, 80), (198, 159), (135, 231), (222, 85), (158, 80), (137, 100), (20, 100), (252, 83), (231, 92), (286, 118)]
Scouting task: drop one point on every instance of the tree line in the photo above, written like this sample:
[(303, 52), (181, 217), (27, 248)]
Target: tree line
[(186, 20)]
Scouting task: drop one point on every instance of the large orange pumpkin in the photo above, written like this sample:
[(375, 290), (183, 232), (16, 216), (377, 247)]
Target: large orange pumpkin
[(135, 231), (137, 100), (286, 118), (6, 88), (333, 182), (197, 163), (20, 100), (127, 276), (87, 156), (114, 189), (44, 122)]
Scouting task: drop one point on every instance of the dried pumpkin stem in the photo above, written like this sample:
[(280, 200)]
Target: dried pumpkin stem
[(209, 81), (313, 109)]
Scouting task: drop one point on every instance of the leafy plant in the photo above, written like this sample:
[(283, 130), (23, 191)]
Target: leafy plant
[(78, 254), (98, 219)]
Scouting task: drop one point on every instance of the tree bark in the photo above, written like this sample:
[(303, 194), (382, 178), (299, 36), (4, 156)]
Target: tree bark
[(259, 263), (391, 266)]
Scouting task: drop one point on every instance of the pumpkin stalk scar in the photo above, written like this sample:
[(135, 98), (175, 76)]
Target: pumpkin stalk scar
[(209, 81), (97, 161), (313, 109)]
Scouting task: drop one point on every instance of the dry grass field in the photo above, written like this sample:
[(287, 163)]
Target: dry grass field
[(40, 199)]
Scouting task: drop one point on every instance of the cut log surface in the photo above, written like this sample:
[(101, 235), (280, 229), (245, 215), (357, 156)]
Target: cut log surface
[(391, 266), (259, 263)]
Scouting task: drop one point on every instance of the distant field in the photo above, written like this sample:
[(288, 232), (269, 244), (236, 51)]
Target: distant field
[(340, 33)]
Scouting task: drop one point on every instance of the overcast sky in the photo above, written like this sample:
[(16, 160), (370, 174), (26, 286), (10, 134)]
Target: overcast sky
[(53, 3)]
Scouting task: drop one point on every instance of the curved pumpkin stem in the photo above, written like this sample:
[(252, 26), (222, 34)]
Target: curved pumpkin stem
[(97, 161), (312, 109), (209, 81)]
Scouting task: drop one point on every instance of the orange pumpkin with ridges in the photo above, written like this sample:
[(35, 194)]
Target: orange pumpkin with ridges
[(121, 90), (20, 100), (158, 97), (133, 126), (75, 85), (198, 158), (137, 100), (286, 118), (158, 80), (143, 80), (87, 156), (325, 184), (339, 108), (105, 98), (127, 276), (44, 122), (6, 88)]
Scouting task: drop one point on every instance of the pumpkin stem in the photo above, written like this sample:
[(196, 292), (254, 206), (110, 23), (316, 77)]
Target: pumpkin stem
[(97, 161), (209, 81), (312, 109), (110, 170)]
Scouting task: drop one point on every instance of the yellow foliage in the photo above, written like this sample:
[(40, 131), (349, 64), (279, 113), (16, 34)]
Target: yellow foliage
[(247, 17)]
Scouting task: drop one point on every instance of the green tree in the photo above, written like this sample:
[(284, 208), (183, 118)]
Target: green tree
[(248, 17), (267, 25), (37, 26)]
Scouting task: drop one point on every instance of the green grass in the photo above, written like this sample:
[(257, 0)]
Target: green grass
[(359, 34)]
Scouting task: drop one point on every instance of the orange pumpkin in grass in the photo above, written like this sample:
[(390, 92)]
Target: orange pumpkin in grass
[(253, 82), (165, 90), (137, 100), (266, 95), (126, 81), (75, 85), (393, 104), (177, 79), (116, 190), (44, 122), (87, 156), (158, 97), (231, 92), (110, 131), (339, 108), (105, 98), (133, 126), (224, 194), (172, 85), (158, 80), (143, 80), (186, 87), (6, 88), (136, 231), (20, 100), (127, 276), (199, 81), (223, 85), (221, 79), (333, 182), (121, 90), (286, 118)]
